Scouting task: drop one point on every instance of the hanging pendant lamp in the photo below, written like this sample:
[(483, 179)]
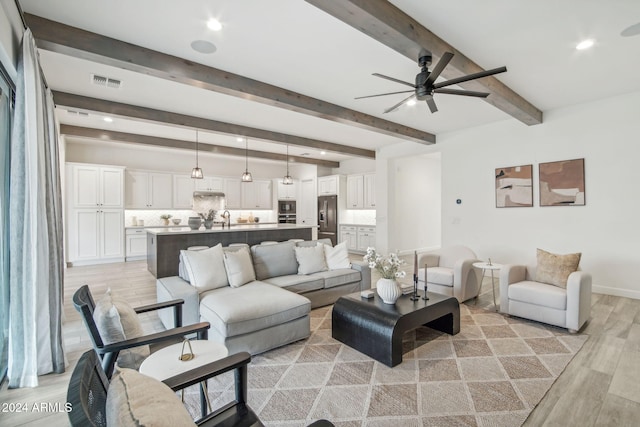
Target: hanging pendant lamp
[(246, 176), (287, 180), (196, 173)]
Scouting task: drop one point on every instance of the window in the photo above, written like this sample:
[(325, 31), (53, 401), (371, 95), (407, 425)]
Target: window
[(6, 114)]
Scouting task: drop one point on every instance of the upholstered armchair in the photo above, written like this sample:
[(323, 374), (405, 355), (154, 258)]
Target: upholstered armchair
[(450, 271), (524, 294)]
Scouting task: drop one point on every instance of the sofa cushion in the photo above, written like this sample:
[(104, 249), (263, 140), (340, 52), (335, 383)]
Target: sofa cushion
[(307, 243), (538, 293), (342, 276), (438, 275), (205, 268), (117, 321), (252, 307), (555, 269), (239, 267), (297, 283), (138, 400), (274, 260), (310, 259), (337, 256)]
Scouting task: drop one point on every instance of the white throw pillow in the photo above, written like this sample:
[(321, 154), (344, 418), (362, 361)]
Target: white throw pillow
[(205, 268), (138, 400), (239, 267), (310, 259), (337, 257), (117, 321)]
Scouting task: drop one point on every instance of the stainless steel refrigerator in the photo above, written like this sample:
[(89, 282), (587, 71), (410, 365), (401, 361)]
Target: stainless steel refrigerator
[(328, 218)]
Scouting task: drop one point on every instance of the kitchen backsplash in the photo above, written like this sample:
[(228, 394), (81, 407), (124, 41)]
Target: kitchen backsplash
[(358, 216), (152, 217)]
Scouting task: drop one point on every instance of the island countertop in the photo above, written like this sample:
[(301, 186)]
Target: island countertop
[(160, 231)]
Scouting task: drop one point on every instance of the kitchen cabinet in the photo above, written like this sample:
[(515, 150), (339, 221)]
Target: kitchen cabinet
[(148, 190), (287, 192), (369, 191), (256, 195), (135, 243), (233, 193), (328, 185), (361, 191), (366, 238), (212, 183), (355, 192), (93, 185), (183, 187), (96, 235), (349, 234)]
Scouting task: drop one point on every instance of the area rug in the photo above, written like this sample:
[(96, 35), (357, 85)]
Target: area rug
[(493, 373)]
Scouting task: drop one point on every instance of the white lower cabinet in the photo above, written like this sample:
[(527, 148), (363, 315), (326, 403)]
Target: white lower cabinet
[(366, 238), (135, 243), (96, 235), (358, 237), (349, 234)]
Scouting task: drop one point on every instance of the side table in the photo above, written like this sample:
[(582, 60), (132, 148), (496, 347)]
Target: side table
[(165, 363), (486, 266)]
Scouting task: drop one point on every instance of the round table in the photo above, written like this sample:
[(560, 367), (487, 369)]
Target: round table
[(165, 363), (486, 266)]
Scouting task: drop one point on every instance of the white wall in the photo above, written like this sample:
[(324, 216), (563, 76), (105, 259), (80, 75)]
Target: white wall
[(606, 230)]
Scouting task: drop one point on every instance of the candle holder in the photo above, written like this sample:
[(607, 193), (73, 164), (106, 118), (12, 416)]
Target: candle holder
[(425, 297), (414, 295)]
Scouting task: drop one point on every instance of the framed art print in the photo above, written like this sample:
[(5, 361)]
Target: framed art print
[(562, 183), (514, 186)]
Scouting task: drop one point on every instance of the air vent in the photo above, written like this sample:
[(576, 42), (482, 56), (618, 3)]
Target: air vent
[(78, 113), (106, 81)]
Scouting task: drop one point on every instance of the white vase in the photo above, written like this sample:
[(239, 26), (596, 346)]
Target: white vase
[(388, 290)]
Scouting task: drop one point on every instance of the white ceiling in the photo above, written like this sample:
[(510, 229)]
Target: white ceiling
[(293, 45)]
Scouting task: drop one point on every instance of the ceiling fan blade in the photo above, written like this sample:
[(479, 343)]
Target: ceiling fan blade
[(383, 94), (462, 92), (382, 76), (471, 77), (432, 104), (395, 107), (444, 61)]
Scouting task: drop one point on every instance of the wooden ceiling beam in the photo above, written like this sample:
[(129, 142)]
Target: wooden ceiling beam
[(392, 27), (115, 136), (166, 117), (72, 41)]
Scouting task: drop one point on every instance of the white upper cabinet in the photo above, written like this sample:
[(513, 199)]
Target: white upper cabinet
[(287, 192), (183, 187), (355, 192), (232, 193), (212, 183), (370, 191), (97, 186), (328, 185), (148, 190), (256, 195)]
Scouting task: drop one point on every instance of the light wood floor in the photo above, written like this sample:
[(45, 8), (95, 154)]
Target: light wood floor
[(600, 387)]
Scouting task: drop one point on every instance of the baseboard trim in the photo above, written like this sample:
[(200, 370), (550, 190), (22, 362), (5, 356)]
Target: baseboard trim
[(607, 290)]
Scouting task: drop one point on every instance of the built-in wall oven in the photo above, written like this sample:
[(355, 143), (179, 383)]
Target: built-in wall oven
[(286, 212)]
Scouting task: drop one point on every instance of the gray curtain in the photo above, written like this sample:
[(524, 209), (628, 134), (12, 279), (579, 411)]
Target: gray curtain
[(35, 244)]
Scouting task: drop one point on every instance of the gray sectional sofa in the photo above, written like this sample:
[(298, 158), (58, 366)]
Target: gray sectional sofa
[(268, 312)]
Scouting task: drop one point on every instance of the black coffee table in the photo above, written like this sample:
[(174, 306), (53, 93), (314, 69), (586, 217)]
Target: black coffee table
[(375, 328)]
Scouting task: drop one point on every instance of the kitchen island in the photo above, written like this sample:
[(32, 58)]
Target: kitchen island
[(164, 244)]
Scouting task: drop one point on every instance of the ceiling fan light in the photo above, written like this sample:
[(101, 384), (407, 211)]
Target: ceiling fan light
[(411, 102)]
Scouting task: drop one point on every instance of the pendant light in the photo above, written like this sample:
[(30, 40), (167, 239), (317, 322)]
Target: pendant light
[(287, 180), (246, 176), (196, 173)]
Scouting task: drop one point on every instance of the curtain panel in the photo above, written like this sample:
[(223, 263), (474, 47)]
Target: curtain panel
[(35, 244)]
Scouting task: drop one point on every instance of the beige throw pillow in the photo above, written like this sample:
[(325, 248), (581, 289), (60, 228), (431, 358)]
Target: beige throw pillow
[(337, 257), (555, 269), (137, 400), (205, 268), (310, 259), (239, 267), (117, 321)]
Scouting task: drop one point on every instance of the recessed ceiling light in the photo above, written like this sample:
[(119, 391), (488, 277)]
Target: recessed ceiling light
[(585, 44), (214, 25), (239, 139), (203, 46), (108, 119), (323, 152), (411, 102), (632, 30)]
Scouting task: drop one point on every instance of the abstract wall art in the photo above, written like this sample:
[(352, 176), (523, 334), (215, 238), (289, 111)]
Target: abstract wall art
[(514, 186), (562, 183)]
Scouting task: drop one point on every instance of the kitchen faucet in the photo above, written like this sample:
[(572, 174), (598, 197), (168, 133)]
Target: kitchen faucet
[(226, 214)]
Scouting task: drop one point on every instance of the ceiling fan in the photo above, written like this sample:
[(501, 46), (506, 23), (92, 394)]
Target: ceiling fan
[(425, 86)]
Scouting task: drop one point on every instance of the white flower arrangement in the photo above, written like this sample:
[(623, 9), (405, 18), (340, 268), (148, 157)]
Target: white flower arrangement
[(389, 268)]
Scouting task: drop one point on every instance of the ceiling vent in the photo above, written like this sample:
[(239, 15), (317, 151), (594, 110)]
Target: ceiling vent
[(106, 81), (78, 113)]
